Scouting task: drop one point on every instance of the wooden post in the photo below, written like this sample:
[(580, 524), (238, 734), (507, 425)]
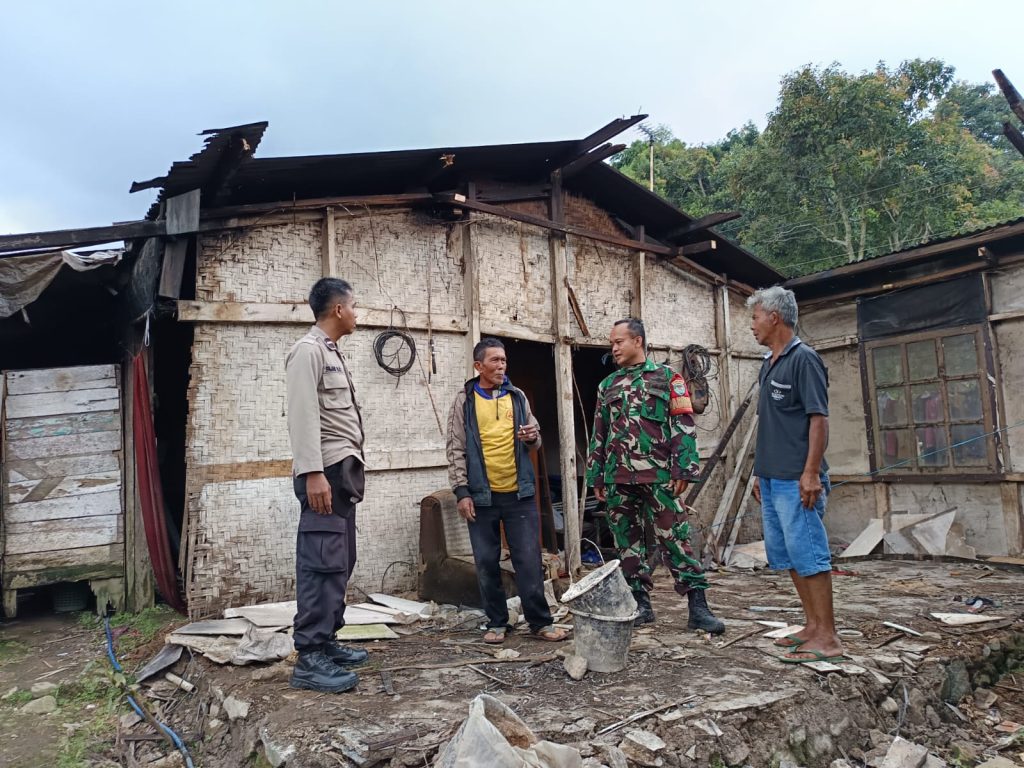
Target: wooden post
[(330, 244), (636, 306), (564, 381), (726, 397), (470, 289), (1013, 518)]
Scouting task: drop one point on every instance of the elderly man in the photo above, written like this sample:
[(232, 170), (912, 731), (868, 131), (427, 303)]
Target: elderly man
[(643, 455), (792, 473), (491, 432)]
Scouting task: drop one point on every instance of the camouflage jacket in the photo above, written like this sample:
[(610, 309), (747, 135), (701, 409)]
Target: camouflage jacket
[(643, 429)]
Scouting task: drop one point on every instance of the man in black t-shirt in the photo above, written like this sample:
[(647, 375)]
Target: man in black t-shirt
[(792, 473)]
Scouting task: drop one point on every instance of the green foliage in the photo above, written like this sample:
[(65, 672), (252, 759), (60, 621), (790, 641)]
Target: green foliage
[(18, 699), (850, 166), (142, 627), (100, 688)]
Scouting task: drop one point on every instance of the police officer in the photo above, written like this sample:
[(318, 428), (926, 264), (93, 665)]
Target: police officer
[(326, 432), (643, 454)]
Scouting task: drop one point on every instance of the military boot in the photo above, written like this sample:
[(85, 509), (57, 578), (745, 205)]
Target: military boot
[(700, 615), (645, 614), (314, 671), (344, 656)]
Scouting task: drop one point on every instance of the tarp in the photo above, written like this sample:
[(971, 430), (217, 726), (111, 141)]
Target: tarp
[(24, 278), (939, 305)]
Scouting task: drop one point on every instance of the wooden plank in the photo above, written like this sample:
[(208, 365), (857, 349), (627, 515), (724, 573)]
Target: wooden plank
[(577, 310), (636, 302), (60, 466), (67, 424), (583, 161), (999, 317), (1013, 517), (130, 230), (104, 554), (704, 222), (54, 535), (350, 201), (471, 291), (729, 495), (62, 487), (24, 579), (183, 213), (1015, 137), (75, 510), (723, 442), (606, 132), (369, 317), (1010, 93), (694, 248), (64, 445), (329, 244), (516, 331), (53, 403), (172, 270), (34, 381), (740, 514)]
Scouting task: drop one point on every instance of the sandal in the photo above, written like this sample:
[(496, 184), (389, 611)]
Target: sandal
[(495, 635), (789, 641), (550, 633)]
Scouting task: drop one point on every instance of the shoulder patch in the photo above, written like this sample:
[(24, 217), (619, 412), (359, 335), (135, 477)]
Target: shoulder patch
[(679, 404)]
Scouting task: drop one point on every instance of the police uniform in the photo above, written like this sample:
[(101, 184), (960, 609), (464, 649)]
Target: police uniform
[(325, 427), (644, 438)]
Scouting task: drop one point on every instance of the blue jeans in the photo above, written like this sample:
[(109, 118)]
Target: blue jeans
[(522, 532), (794, 536)]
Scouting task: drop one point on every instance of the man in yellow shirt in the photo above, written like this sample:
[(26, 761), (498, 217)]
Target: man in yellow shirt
[(491, 432)]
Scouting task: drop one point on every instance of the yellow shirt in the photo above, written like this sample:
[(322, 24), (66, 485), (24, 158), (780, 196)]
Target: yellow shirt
[(497, 437)]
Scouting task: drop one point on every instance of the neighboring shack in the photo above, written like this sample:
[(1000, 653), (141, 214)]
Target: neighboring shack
[(925, 349), (542, 245)]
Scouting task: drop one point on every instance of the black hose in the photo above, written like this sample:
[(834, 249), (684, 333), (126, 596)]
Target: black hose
[(390, 360)]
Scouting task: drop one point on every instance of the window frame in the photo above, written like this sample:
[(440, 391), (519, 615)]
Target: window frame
[(983, 374)]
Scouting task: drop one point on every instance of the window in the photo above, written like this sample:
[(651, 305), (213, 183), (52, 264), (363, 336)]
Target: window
[(930, 402)]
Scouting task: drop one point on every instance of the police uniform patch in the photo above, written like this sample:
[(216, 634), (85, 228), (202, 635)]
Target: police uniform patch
[(680, 403)]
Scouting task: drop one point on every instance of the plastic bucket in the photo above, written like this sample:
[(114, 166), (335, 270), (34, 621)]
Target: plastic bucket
[(603, 640), (603, 592)]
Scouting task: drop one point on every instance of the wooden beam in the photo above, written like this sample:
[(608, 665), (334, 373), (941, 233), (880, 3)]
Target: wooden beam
[(564, 404), (329, 244), (470, 290), (1014, 136), (183, 213), (876, 288), (999, 317), (357, 201), (300, 314), (704, 222), (173, 268), (509, 330), (723, 443), (1013, 97), (601, 153), (636, 302), (577, 310), (695, 248), (600, 136), (69, 238)]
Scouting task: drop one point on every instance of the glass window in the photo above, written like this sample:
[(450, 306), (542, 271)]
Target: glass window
[(898, 445), (927, 403), (960, 355), (892, 407), (974, 451), (922, 361), (964, 400), (888, 365), (931, 446)]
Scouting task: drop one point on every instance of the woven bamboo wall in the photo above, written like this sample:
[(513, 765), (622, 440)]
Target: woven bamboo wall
[(603, 281), (514, 263)]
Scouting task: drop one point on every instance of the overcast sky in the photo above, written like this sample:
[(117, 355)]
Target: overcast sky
[(96, 95)]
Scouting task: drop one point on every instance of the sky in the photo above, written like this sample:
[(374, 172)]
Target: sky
[(96, 95)]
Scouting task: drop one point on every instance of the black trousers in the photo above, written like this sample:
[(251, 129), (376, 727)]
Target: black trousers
[(325, 554), (522, 531)]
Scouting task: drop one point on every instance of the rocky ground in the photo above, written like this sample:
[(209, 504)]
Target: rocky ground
[(697, 701)]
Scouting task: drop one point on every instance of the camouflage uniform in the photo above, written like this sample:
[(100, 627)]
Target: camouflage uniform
[(644, 437)]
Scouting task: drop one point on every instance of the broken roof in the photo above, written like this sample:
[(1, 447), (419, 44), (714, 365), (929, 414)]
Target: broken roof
[(229, 175)]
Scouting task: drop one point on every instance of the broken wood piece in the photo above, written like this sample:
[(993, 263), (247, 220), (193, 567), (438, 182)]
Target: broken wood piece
[(642, 715), (868, 539), (356, 632), (181, 682), (744, 636), (962, 619), (901, 628), (577, 310), (783, 631)]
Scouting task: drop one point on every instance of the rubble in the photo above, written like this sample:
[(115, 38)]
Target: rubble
[(43, 689), (41, 706), (575, 666), (236, 709)]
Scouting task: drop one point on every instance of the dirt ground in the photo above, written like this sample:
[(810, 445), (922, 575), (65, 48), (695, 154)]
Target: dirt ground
[(722, 702)]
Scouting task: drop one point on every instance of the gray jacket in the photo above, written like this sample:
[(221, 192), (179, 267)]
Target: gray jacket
[(466, 471)]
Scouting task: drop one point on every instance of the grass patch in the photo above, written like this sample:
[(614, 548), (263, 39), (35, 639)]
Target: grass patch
[(11, 650), (18, 699), (99, 688), (142, 627)]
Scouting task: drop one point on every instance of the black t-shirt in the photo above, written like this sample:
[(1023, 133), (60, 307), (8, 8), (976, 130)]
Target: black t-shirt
[(792, 390)]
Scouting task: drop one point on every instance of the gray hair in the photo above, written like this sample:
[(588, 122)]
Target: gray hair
[(776, 299)]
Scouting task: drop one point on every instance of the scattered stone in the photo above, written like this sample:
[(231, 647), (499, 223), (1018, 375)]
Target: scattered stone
[(888, 663), (592, 762), (213, 724), (984, 698), (904, 754), (797, 736), (507, 653), (642, 747), (215, 710), (70, 728), (43, 689), (276, 754), (934, 762), (43, 706), (998, 762), (840, 763), (819, 744), (236, 709), (129, 720), (964, 752), (575, 666), (736, 752), (889, 706), (582, 727), (170, 760), (839, 728), (692, 752), (708, 726), (879, 739), (916, 711), (671, 716), (957, 682), (615, 757)]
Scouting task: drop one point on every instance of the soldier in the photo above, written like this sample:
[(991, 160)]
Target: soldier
[(643, 454), (326, 432)]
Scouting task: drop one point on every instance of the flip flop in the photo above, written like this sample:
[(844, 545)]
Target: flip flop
[(496, 635), (550, 633), (815, 656), (788, 641)]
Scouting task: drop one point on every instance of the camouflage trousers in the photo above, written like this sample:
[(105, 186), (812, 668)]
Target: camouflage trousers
[(628, 507)]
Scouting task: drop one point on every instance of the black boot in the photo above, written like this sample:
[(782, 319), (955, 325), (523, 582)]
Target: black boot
[(700, 615), (643, 603), (344, 656), (315, 672)]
